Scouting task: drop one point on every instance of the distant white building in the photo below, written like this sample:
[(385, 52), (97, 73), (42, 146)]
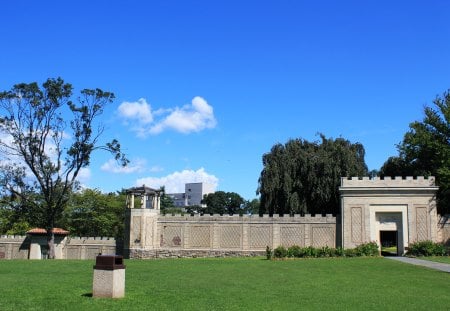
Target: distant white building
[(193, 194)]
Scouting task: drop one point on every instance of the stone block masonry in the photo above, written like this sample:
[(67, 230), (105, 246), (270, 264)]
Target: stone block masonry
[(21, 247), (158, 236)]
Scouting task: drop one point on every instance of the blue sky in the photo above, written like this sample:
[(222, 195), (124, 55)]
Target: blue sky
[(205, 88)]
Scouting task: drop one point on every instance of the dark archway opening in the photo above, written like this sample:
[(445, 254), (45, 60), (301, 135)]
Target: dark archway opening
[(389, 243)]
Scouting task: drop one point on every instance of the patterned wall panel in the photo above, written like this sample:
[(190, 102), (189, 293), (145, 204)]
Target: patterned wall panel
[(92, 252), (136, 230), (149, 231), (73, 252), (421, 224), (200, 236), (260, 236), (230, 236), (171, 236), (19, 253), (356, 218), (323, 236), (292, 235)]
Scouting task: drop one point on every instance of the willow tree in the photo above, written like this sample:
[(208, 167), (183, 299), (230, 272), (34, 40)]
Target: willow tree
[(303, 177), (47, 137)]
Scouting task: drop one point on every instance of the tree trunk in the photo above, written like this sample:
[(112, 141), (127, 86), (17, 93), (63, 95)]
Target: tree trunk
[(51, 243)]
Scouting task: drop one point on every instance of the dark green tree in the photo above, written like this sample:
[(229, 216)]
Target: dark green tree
[(93, 213), (425, 150), (221, 202), (251, 207), (46, 139), (304, 177), (166, 201)]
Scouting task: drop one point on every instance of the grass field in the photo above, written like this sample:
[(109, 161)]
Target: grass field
[(229, 284)]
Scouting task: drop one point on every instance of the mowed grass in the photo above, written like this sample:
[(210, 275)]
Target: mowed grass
[(229, 284)]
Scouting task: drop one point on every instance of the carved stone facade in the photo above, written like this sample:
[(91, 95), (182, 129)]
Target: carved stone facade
[(404, 207)]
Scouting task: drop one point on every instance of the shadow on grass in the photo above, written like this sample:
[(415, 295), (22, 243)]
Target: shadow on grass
[(388, 254), (89, 295)]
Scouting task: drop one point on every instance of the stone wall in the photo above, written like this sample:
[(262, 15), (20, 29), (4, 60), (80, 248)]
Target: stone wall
[(405, 205), (153, 235), (88, 247), (19, 247), (14, 247), (444, 229)]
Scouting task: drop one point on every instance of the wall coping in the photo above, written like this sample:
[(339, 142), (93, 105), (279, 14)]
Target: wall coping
[(234, 217), (398, 181)]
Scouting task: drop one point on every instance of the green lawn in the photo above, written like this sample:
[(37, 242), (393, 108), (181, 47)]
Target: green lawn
[(229, 284)]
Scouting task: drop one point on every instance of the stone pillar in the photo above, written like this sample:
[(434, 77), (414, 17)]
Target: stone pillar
[(35, 251), (144, 201), (109, 277), (132, 201)]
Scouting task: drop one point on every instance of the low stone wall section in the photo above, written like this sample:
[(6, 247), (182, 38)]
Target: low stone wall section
[(14, 247), (172, 253), (88, 247), (18, 247)]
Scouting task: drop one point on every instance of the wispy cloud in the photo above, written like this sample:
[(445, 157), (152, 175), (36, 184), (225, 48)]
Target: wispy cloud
[(174, 183), (194, 117), (135, 166)]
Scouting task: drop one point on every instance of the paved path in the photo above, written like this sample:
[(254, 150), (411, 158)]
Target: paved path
[(425, 263)]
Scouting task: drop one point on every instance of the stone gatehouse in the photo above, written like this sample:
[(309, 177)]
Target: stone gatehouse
[(393, 210)]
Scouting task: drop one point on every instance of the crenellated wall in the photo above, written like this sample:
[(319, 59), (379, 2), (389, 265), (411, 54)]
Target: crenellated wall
[(153, 235), (26, 247), (14, 247), (371, 207)]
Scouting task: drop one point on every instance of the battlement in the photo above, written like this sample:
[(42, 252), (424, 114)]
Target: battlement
[(398, 182), (266, 218)]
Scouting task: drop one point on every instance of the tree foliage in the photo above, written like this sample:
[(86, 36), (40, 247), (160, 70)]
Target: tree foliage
[(304, 177), (425, 150), (221, 202), (46, 139), (93, 213)]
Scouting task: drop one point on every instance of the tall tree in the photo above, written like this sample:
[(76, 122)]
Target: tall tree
[(37, 155), (221, 202), (425, 150), (304, 177)]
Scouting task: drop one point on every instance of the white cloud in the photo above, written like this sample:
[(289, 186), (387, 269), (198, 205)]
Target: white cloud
[(136, 165), (174, 182), (139, 111), (84, 175), (194, 117)]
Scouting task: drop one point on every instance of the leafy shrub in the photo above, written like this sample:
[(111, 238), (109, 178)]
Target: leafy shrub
[(367, 249), (268, 253), (350, 252), (280, 252), (426, 248), (325, 252), (295, 251), (339, 252)]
